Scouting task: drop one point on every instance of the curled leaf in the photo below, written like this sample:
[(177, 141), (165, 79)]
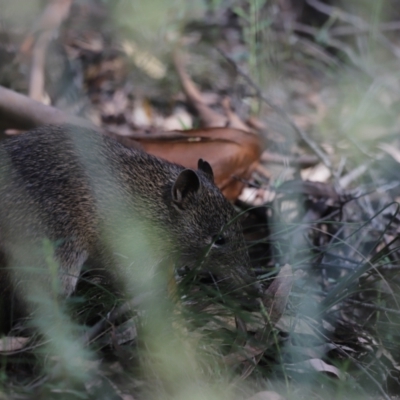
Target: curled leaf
[(232, 153)]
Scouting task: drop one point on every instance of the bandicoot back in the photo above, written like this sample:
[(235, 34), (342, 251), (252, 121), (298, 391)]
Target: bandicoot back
[(85, 194)]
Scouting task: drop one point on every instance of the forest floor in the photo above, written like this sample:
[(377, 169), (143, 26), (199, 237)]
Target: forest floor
[(318, 86)]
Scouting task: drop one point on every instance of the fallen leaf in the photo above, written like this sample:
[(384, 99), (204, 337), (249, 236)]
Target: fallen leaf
[(232, 153)]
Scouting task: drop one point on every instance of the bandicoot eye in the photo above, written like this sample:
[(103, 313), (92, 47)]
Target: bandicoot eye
[(219, 240)]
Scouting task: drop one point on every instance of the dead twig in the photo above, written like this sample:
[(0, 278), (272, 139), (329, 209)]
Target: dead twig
[(303, 135), (208, 116)]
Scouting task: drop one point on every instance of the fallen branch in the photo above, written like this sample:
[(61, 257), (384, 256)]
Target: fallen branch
[(303, 161), (18, 111), (39, 40)]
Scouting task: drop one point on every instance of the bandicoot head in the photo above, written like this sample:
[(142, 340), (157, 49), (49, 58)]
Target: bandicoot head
[(207, 228)]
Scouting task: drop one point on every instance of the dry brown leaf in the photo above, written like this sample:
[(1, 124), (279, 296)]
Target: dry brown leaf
[(232, 153), (276, 296)]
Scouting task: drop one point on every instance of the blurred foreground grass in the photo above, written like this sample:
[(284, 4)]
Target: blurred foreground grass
[(335, 72)]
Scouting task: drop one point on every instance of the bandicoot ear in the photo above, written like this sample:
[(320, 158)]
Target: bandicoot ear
[(187, 182), (206, 168)]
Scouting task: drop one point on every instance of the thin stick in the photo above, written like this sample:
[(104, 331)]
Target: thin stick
[(356, 21), (303, 135)]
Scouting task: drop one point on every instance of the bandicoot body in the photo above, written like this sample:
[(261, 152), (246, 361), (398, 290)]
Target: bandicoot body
[(85, 194)]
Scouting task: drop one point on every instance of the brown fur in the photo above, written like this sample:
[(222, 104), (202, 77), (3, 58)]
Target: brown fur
[(78, 189)]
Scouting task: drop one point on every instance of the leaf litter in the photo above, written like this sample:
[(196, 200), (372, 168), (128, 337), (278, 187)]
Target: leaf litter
[(314, 155)]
